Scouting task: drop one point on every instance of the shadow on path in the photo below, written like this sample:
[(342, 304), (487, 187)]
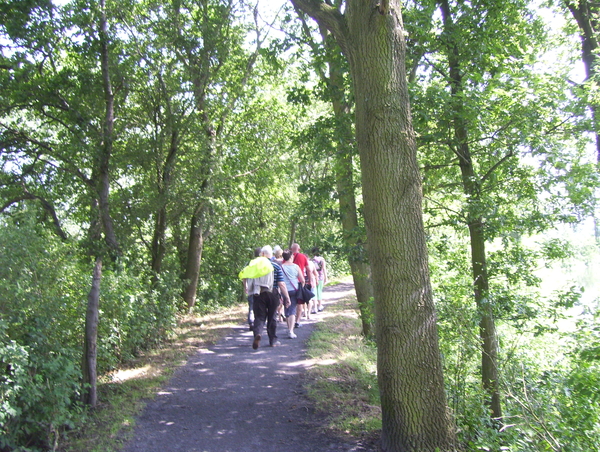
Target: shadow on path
[(230, 398)]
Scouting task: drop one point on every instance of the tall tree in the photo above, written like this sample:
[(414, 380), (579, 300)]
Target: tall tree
[(162, 116), (410, 376), (482, 110), (332, 70), (472, 189), (587, 15), (208, 41), (103, 175), (69, 138)]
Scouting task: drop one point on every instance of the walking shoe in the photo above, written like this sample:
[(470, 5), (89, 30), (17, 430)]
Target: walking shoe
[(275, 344), (297, 325), (293, 335), (313, 312), (321, 308), (256, 342)]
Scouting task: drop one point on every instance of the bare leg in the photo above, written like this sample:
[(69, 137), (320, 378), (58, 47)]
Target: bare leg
[(299, 310), (291, 320)]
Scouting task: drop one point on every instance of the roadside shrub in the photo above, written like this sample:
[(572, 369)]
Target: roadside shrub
[(38, 396)]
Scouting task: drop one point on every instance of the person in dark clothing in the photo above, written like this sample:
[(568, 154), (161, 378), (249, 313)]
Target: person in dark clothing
[(257, 252), (266, 290)]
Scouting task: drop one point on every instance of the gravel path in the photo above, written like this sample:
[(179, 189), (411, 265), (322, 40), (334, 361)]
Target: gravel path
[(230, 398)]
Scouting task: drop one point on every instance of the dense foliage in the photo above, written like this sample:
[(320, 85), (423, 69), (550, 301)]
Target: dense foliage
[(220, 124)]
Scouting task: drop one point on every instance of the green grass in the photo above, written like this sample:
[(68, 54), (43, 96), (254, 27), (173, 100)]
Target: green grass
[(343, 380)]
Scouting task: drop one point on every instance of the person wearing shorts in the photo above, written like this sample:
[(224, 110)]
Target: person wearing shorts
[(321, 267), (292, 277), (301, 260)]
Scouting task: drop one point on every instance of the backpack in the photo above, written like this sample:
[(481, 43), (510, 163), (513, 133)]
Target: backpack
[(318, 264)]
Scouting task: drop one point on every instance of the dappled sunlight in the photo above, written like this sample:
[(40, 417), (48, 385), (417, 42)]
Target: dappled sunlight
[(309, 363), (229, 387), (230, 324), (123, 375), (348, 314)]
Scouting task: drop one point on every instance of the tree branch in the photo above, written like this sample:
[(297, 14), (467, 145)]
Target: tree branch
[(496, 165), (327, 16), (45, 204)]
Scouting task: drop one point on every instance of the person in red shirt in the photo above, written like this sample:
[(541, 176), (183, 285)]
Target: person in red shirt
[(301, 260)]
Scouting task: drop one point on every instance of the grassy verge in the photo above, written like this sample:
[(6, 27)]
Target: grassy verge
[(343, 381), (122, 394)]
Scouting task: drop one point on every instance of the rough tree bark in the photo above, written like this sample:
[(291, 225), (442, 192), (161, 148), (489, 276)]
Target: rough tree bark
[(413, 401), (344, 172)]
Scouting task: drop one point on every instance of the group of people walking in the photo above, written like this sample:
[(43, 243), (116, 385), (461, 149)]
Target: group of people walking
[(274, 292)]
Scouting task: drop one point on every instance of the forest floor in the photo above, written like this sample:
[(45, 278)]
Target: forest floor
[(231, 398)]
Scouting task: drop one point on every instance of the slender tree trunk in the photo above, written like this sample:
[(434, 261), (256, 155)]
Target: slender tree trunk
[(293, 225), (361, 270), (487, 327), (586, 15), (107, 138), (89, 393), (344, 175), (158, 247), (194, 258), (487, 324), (104, 223), (165, 176)]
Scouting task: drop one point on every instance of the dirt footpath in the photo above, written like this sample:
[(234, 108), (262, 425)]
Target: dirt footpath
[(230, 398)]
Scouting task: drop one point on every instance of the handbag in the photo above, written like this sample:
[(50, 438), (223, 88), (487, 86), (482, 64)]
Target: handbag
[(305, 294)]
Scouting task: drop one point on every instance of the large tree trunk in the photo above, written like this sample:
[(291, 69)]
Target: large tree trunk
[(413, 400), (410, 372), (471, 188)]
